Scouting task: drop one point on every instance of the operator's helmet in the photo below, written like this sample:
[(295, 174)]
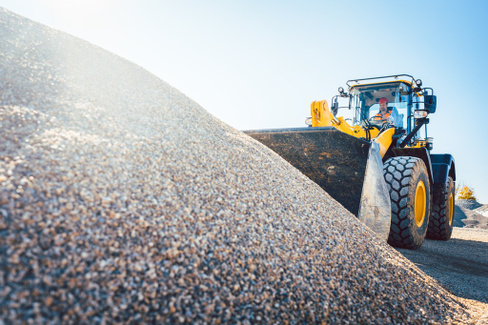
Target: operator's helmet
[(383, 100)]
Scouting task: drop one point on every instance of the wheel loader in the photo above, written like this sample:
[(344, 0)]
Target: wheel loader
[(376, 159)]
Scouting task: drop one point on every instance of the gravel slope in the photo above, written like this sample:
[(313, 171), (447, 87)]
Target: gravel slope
[(471, 214), (122, 200)]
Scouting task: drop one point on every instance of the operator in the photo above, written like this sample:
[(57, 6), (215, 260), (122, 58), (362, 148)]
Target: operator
[(389, 114), (385, 112)]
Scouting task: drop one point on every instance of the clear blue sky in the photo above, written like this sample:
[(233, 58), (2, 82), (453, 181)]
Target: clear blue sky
[(259, 64)]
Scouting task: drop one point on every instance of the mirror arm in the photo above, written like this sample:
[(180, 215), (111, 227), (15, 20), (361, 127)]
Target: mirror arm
[(409, 137)]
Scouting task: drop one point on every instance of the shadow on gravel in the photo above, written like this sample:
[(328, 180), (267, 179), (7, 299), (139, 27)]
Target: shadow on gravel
[(459, 215), (460, 266)]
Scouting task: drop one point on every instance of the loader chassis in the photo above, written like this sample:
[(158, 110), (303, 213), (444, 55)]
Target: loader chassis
[(379, 168)]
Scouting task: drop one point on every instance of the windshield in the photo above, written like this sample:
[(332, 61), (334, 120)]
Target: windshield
[(367, 99)]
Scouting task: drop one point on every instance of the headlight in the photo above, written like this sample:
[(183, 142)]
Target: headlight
[(418, 82), (420, 114), (308, 121), (341, 90)]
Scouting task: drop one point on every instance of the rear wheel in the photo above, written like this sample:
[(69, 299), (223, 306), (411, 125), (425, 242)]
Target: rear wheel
[(442, 217), (409, 186)]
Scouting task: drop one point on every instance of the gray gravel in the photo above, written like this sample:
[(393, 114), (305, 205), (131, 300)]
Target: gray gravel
[(471, 214), (122, 200), (468, 204), (460, 265)]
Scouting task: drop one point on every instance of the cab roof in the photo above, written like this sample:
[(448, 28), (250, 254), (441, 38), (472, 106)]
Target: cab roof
[(399, 78)]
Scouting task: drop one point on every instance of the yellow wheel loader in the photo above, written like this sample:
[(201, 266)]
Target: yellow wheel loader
[(376, 159)]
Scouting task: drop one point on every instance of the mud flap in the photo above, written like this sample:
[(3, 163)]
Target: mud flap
[(375, 207)]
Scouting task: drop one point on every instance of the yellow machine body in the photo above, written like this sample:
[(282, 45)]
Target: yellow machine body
[(347, 160), (322, 116)]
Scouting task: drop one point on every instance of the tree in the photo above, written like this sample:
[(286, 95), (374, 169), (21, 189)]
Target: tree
[(465, 193)]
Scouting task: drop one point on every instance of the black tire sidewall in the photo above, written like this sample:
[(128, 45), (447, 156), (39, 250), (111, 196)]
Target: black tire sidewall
[(402, 175), (450, 191), (419, 233), (439, 227)]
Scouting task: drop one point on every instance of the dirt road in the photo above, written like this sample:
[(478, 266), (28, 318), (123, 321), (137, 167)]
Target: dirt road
[(460, 264)]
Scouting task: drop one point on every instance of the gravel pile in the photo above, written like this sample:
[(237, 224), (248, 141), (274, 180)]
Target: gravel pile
[(122, 200), (468, 204), (483, 210)]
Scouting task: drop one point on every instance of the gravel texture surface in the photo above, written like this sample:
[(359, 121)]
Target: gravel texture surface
[(470, 214), (460, 265), (468, 204), (122, 200)]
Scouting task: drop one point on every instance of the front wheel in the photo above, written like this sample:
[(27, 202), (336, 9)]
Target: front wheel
[(442, 217), (408, 182)]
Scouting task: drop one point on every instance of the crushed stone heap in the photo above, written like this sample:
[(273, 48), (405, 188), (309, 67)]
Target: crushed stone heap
[(122, 200)]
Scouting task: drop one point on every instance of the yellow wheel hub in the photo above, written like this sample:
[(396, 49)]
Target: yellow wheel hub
[(451, 209), (420, 203)]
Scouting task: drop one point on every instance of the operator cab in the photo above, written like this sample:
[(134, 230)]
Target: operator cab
[(404, 94), (364, 102), (409, 104)]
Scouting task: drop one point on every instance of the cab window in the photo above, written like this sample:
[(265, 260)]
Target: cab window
[(365, 102)]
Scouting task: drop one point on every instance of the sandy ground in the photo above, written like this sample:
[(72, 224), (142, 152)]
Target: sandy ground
[(460, 265)]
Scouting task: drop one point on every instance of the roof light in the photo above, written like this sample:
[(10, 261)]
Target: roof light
[(418, 82)]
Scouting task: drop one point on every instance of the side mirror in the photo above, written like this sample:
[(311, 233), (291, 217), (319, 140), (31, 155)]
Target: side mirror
[(430, 103)]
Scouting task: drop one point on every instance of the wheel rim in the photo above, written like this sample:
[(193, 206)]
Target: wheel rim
[(451, 209), (420, 203)]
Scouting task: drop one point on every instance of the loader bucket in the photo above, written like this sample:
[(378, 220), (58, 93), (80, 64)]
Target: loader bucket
[(340, 164)]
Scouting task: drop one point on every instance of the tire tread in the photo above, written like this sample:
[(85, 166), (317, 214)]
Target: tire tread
[(398, 173), (439, 227)]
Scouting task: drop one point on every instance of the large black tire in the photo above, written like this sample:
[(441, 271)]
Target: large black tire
[(409, 186), (442, 217)]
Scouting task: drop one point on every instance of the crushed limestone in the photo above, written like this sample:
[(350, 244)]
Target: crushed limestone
[(122, 200)]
